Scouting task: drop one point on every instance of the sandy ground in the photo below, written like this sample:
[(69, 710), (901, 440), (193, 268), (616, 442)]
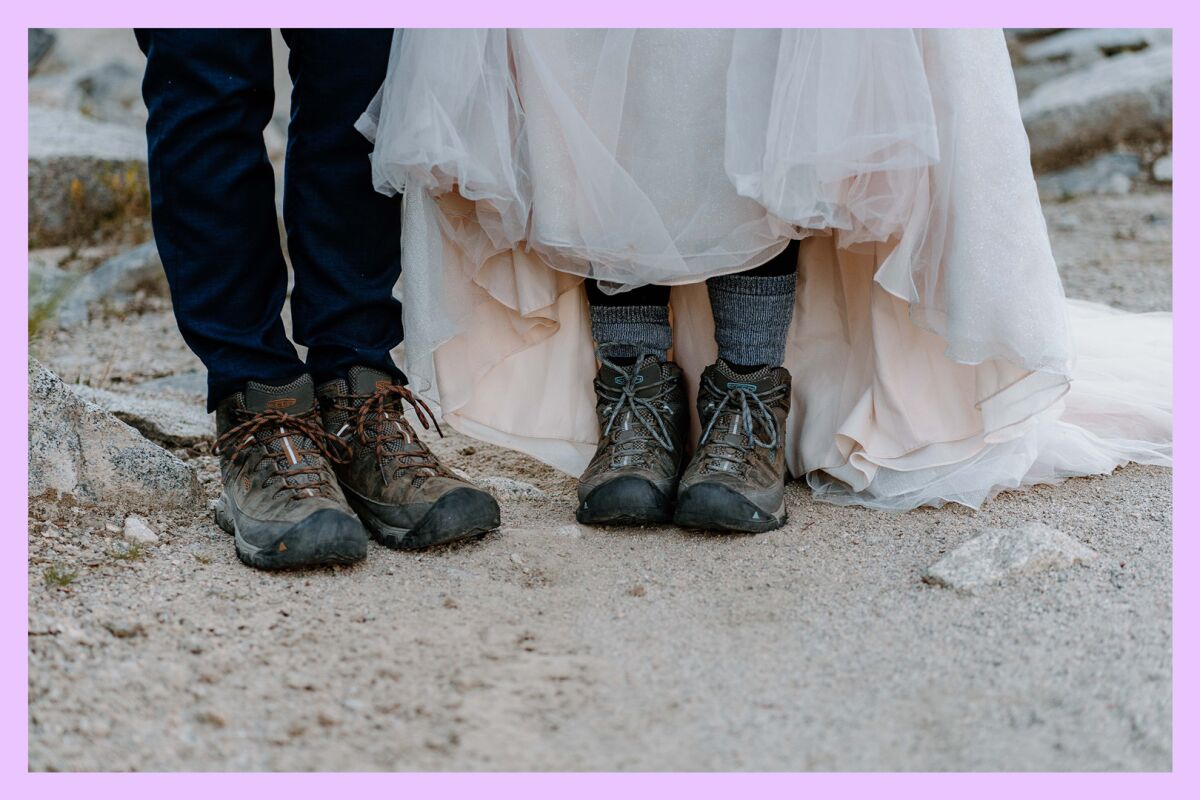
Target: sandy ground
[(550, 646)]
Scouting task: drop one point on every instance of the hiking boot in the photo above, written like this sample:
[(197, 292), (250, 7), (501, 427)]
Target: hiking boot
[(735, 479), (631, 479), (402, 493), (280, 498)]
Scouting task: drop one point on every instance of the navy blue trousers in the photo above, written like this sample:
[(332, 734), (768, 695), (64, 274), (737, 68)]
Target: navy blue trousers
[(212, 191)]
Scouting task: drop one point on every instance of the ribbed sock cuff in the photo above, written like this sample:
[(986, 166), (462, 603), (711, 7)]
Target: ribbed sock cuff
[(632, 328), (751, 315)]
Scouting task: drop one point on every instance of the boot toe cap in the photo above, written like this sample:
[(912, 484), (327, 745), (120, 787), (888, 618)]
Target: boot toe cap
[(627, 499), (711, 505), (455, 515)]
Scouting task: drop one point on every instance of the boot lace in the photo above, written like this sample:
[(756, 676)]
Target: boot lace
[(739, 402), (307, 440), (379, 421), (641, 402)]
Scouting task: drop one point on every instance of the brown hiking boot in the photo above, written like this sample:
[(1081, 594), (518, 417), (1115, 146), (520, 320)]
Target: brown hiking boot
[(643, 425), (402, 493), (280, 498), (735, 479)]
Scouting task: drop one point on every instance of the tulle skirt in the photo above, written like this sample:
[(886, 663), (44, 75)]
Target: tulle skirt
[(931, 346)]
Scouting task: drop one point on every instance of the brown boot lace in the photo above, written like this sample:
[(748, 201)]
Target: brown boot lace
[(306, 427), (374, 425)]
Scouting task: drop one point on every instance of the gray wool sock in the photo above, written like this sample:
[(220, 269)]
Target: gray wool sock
[(632, 328), (752, 315)]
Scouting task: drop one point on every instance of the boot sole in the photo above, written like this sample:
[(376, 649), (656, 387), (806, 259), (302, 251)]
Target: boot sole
[(713, 507), (298, 548), (624, 501), (458, 514)]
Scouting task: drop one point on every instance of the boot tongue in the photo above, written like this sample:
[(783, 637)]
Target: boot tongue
[(365, 381), (650, 373), (295, 449), (294, 398), (725, 378)]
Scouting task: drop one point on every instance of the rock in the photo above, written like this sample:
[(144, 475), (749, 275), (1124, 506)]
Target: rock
[(97, 72), (1000, 553), (77, 448), (1120, 99), (87, 179), (1161, 171), (569, 531), (124, 628), (48, 286), (138, 531), (1029, 34), (1031, 76), (110, 92), (167, 421), (192, 384), (40, 42), (509, 489), (1082, 46), (1067, 222), (74, 634), (1112, 173), (115, 281)]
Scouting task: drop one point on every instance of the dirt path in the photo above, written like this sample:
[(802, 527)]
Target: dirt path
[(547, 645)]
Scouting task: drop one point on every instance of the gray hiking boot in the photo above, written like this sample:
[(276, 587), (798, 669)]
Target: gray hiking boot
[(643, 420), (735, 479), (280, 498), (402, 493)]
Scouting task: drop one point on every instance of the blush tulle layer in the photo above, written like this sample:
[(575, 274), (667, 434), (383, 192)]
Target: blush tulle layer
[(934, 356)]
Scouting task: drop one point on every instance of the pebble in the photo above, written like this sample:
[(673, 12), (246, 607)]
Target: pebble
[(507, 488), (1162, 169), (124, 629), (569, 531), (139, 531), (1000, 553)]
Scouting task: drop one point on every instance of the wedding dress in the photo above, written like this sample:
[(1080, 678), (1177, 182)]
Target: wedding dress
[(931, 345)]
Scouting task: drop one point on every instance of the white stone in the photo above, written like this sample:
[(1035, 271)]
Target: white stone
[(1162, 169), (507, 488), (569, 531), (999, 553), (139, 531)]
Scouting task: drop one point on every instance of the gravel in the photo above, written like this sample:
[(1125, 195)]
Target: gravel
[(553, 646)]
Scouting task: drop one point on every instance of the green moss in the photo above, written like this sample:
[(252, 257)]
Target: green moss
[(56, 578), (134, 552)]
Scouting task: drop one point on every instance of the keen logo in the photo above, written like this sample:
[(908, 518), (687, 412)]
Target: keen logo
[(282, 403), (620, 380), (745, 387)]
